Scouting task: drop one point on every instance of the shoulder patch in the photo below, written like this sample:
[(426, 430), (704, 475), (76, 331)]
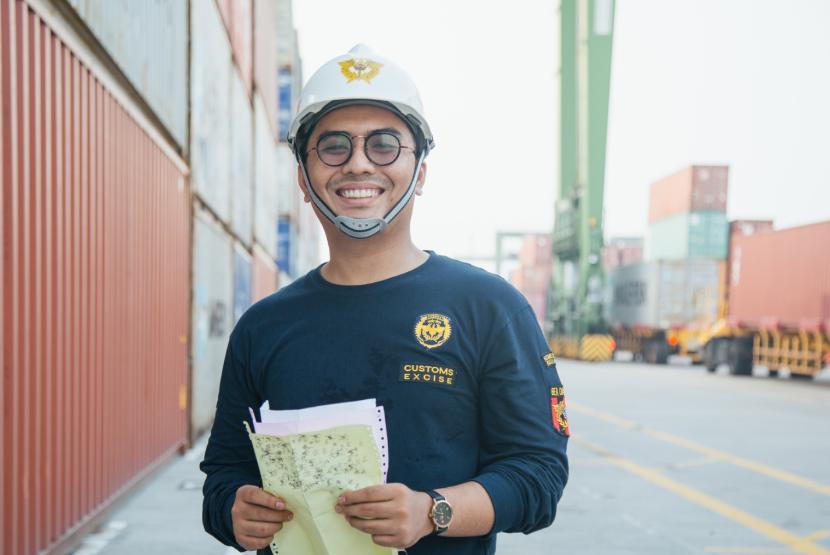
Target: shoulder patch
[(549, 359), (559, 413)]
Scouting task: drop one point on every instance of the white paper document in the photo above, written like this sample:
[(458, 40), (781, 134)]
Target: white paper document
[(308, 457)]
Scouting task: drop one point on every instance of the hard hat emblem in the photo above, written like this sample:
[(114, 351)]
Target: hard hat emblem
[(362, 69)]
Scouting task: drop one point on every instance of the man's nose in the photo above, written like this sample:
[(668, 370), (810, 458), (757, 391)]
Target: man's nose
[(358, 163)]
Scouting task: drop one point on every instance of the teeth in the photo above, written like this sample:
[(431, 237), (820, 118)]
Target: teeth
[(359, 193)]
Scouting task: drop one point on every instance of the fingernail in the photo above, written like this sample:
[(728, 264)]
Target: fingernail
[(280, 505), (290, 516), (338, 508), (341, 500)]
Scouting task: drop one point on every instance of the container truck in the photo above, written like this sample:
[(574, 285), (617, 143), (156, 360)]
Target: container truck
[(778, 303), (659, 308), (767, 305)]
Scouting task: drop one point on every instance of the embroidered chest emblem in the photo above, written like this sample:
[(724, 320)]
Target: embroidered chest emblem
[(433, 330)]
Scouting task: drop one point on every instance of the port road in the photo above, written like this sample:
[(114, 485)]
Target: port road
[(674, 460)]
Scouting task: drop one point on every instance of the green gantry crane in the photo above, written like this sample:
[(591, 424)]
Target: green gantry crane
[(585, 74)]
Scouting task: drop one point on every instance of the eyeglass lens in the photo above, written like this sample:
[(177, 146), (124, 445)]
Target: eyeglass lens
[(381, 148)]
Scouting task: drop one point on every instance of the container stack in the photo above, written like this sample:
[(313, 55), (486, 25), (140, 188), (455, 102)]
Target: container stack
[(533, 274), (687, 215), (680, 281), (170, 186)]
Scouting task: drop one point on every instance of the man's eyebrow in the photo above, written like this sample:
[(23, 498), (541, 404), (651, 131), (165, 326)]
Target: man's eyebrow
[(390, 130)]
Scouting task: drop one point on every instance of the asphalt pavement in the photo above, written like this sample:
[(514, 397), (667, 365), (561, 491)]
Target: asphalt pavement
[(664, 460)]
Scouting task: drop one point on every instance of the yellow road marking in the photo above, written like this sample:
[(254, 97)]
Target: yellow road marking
[(763, 469), (754, 550), (821, 534), (762, 527)]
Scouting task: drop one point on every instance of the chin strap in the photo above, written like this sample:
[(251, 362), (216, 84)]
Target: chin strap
[(362, 228)]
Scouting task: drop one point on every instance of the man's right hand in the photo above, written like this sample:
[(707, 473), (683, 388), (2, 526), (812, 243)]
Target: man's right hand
[(257, 516)]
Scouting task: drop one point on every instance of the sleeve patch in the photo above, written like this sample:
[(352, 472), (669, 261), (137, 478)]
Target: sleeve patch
[(559, 412), (549, 359)]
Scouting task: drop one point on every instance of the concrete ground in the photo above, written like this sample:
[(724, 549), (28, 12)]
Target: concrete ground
[(664, 460)]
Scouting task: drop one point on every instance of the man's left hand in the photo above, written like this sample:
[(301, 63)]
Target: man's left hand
[(393, 514)]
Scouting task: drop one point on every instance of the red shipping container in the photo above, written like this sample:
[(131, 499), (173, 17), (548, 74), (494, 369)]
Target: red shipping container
[(536, 249), (742, 228), (622, 252), (692, 189), (94, 215), (781, 275)]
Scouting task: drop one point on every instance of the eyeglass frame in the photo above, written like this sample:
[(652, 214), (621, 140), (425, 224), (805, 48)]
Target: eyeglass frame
[(365, 146)]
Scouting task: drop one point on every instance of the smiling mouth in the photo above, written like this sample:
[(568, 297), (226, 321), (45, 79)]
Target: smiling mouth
[(359, 193)]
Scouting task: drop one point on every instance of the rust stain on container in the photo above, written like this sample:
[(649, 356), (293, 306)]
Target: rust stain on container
[(782, 274), (95, 272)]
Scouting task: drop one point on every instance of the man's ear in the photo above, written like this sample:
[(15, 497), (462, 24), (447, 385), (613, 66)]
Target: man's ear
[(422, 176), (303, 185)]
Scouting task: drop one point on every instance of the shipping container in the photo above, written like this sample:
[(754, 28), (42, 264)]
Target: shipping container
[(536, 250), (288, 196), (213, 290), (148, 42), (265, 59), (264, 275), (778, 302), (692, 189), (241, 282), (95, 286), (783, 275), (741, 228), (266, 181), (688, 235), (237, 17), (211, 72), (663, 294), (622, 251), (286, 247), (308, 237), (242, 163)]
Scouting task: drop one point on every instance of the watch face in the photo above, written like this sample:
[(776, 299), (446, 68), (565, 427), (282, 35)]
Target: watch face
[(442, 514)]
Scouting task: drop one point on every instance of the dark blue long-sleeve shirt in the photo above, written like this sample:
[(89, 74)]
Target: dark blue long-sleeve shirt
[(455, 356)]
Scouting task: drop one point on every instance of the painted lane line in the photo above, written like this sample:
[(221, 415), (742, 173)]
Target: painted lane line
[(757, 525), (741, 462)]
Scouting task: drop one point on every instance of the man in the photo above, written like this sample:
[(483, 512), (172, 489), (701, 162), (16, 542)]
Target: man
[(475, 409)]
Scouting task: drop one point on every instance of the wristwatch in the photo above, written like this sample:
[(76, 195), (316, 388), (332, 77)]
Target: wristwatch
[(441, 512)]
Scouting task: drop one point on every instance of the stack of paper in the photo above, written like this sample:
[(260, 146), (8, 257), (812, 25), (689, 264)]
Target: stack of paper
[(308, 457)]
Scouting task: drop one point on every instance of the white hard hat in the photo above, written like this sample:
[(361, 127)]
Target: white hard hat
[(360, 77)]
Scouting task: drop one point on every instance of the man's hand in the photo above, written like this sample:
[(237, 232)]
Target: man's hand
[(257, 516), (393, 514)]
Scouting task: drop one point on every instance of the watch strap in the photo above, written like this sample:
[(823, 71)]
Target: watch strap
[(436, 497)]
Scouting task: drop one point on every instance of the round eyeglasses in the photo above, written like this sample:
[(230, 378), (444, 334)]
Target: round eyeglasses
[(381, 147)]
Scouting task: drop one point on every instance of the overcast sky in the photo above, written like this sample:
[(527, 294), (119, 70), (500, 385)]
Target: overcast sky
[(738, 82)]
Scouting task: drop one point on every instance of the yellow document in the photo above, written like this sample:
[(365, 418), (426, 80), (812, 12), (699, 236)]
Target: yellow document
[(309, 471)]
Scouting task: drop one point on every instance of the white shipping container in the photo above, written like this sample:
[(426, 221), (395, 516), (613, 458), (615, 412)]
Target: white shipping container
[(242, 162), (663, 294), (210, 138), (213, 305), (266, 182), (287, 187), (148, 41)]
